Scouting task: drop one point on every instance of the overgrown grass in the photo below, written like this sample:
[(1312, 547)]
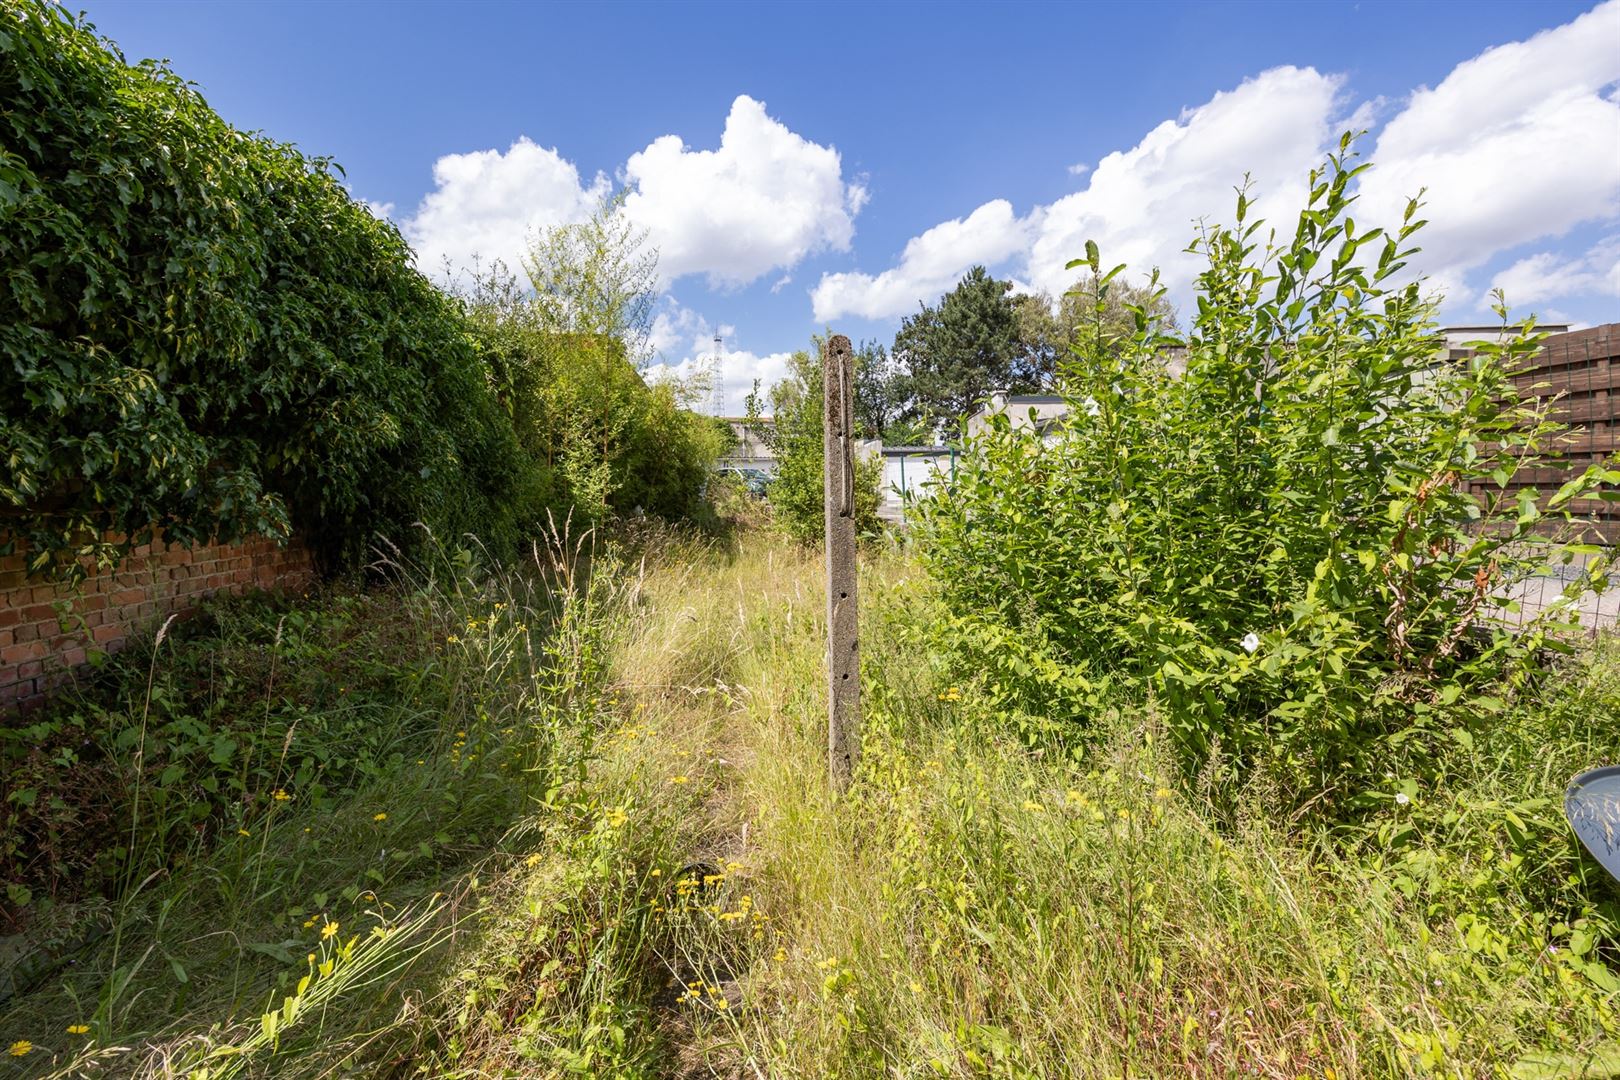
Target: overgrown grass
[(338, 864), (979, 908), (676, 892)]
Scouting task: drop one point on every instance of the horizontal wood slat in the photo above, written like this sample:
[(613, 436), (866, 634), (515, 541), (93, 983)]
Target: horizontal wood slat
[(1577, 374)]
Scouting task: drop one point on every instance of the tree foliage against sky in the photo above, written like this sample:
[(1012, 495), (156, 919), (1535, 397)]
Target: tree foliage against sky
[(957, 352), (563, 358), (204, 333), (598, 276), (979, 338), (796, 436)]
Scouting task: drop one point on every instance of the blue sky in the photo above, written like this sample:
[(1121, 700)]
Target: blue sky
[(800, 166)]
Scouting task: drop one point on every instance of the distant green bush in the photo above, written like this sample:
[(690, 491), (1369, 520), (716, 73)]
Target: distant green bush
[(564, 357), (795, 435), (1279, 545), (204, 333)]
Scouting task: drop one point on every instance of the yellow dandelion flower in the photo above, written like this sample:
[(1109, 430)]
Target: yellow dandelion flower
[(916, 987), (21, 1048), (281, 795), (78, 1029), (679, 780), (654, 872), (329, 930), (379, 817), (452, 639)]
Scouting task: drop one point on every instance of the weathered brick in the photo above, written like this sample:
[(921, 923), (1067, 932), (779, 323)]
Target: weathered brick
[(38, 613), (38, 650), (18, 652)]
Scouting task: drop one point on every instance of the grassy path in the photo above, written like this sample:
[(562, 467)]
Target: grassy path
[(974, 908), (648, 878)]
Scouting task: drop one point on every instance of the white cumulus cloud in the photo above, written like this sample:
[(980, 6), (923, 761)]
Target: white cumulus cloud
[(930, 264), (1547, 275), (1141, 205), (488, 204), (683, 341), (1516, 145), (763, 201), (1520, 143), (739, 368)]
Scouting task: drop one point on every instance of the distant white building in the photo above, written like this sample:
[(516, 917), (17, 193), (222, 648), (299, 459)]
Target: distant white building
[(750, 458), (1455, 340), (1038, 411), (909, 471)]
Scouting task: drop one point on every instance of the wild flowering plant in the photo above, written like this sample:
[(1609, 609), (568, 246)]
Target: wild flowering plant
[(1268, 526)]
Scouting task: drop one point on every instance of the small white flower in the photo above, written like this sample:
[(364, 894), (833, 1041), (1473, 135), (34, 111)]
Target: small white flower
[(1092, 408), (1250, 642), (1403, 798)]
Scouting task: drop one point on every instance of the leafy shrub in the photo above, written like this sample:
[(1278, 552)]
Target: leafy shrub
[(1279, 545), (204, 333), (563, 357), (796, 437), (254, 696)]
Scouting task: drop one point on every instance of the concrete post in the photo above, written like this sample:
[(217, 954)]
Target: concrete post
[(843, 654)]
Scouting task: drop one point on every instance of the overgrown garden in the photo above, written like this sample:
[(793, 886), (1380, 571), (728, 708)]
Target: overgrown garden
[(1202, 736)]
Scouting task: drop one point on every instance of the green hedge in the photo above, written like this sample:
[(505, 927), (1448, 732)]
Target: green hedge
[(202, 332)]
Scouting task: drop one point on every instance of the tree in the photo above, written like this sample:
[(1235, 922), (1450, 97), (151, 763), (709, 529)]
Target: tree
[(596, 277), (1076, 311), (1303, 545), (882, 398), (206, 335), (796, 438), (971, 344), (564, 359)]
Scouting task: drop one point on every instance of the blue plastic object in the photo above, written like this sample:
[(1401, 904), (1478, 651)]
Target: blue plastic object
[(1592, 805)]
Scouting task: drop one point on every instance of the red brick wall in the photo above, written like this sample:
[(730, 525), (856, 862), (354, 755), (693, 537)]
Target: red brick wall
[(39, 648)]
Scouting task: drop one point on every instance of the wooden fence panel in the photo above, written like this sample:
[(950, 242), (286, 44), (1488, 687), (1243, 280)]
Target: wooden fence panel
[(1577, 373)]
